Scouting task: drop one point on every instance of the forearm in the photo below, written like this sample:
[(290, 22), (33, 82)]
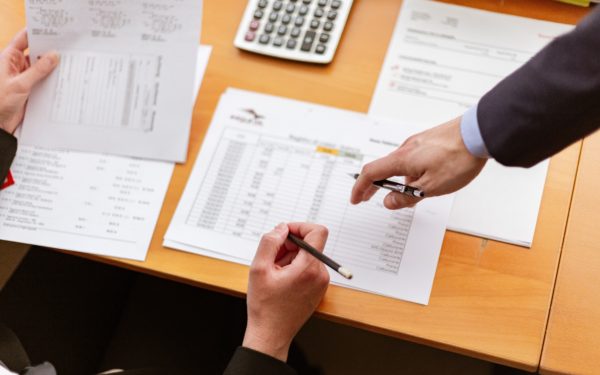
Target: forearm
[(549, 103)]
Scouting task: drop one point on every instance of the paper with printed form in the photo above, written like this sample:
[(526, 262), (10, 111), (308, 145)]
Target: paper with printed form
[(267, 160), (442, 58), (92, 203), (125, 79)]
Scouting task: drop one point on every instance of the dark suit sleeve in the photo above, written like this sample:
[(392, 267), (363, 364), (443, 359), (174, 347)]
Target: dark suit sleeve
[(8, 149), (547, 104), (249, 362)]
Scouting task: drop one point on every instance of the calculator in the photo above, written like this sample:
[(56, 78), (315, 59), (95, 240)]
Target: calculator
[(301, 30)]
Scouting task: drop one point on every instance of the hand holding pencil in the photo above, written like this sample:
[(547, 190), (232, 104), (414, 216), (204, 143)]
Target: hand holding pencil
[(286, 285)]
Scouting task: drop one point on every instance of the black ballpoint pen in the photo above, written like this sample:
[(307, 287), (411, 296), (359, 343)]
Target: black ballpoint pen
[(395, 186)]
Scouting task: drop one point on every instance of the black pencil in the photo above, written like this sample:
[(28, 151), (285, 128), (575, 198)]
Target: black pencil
[(320, 256)]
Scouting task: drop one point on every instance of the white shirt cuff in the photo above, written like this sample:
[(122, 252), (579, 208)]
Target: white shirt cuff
[(471, 135)]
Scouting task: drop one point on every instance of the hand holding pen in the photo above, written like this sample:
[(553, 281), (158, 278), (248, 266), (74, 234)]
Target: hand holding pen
[(435, 162)]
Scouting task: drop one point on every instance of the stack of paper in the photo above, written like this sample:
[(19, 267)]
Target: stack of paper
[(92, 203), (267, 160), (442, 58), (125, 86), (125, 82)]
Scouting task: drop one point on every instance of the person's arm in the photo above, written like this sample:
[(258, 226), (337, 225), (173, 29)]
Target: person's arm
[(17, 78), (549, 103), (285, 287)]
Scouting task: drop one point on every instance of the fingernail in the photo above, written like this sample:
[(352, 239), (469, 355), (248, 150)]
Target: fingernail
[(51, 59)]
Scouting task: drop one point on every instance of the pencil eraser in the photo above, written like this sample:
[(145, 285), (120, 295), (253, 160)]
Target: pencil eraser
[(345, 272)]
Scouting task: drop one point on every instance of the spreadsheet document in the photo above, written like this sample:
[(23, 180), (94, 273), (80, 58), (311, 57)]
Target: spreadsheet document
[(269, 160)]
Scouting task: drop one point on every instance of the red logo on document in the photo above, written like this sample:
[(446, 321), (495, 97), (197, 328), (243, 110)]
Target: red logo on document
[(8, 181)]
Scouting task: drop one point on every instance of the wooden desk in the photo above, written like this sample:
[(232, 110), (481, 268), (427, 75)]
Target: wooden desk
[(490, 300), (573, 335)]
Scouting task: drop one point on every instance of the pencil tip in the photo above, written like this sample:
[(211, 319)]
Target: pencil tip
[(345, 272)]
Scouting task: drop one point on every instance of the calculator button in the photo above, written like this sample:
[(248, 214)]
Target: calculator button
[(335, 4), (295, 32), (250, 36), (269, 28), (278, 41), (291, 43), (290, 8), (332, 15), (286, 19), (319, 12), (254, 25), (324, 38), (303, 10), (263, 3), (309, 38), (258, 14), (320, 49), (299, 21), (277, 5), (273, 17), (282, 30), (307, 1), (328, 26), (264, 39), (314, 24), (322, 3)]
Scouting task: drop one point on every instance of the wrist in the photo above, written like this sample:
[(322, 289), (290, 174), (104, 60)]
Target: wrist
[(267, 342)]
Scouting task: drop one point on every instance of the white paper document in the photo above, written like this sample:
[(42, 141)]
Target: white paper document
[(124, 82), (442, 58), (267, 160), (86, 202)]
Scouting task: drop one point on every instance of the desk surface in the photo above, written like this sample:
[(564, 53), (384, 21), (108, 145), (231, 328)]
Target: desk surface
[(490, 300), (573, 335)]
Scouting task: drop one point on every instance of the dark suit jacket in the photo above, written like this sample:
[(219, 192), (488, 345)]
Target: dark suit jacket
[(8, 149), (549, 103)]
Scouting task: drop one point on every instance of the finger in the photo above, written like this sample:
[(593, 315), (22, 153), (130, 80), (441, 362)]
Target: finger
[(313, 234), (38, 71), (395, 201), (371, 191), (20, 41), (269, 245), (380, 169), (286, 259)]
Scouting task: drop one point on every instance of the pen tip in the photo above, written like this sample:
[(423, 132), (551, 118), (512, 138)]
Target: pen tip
[(345, 272), (353, 175)]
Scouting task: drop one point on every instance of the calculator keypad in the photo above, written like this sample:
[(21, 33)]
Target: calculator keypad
[(303, 25)]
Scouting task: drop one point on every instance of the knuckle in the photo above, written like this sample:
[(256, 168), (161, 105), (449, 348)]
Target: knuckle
[(268, 239), (323, 279), (258, 270), (367, 170), (17, 86)]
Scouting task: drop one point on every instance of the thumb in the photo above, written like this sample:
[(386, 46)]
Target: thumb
[(395, 201), (38, 71), (270, 244)]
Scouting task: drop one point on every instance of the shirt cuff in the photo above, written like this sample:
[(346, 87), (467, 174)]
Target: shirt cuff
[(471, 135)]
